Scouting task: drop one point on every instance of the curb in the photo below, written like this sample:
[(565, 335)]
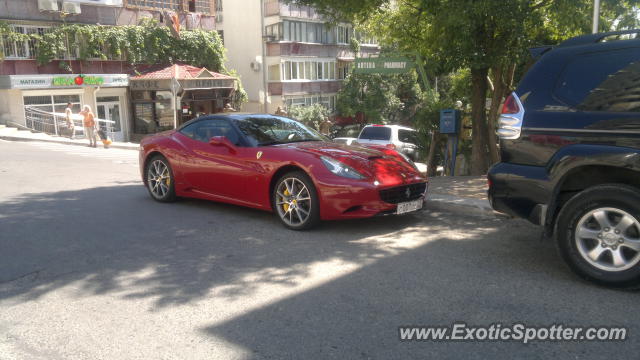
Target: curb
[(459, 204), (113, 145)]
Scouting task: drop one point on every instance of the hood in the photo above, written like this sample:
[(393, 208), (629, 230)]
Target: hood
[(384, 165)]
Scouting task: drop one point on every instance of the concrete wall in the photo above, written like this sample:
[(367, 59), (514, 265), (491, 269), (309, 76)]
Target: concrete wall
[(243, 39)]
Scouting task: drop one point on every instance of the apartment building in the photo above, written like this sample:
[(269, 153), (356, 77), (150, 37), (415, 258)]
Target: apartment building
[(105, 86), (287, 54)]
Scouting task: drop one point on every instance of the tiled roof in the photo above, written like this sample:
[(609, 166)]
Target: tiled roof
[(179, 72)]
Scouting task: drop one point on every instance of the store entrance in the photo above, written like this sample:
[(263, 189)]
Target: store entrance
[(108, 108)]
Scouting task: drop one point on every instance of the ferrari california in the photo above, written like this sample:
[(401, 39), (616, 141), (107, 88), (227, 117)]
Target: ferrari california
[(278, 164)]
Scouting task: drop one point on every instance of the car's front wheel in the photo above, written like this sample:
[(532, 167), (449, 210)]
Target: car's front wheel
[(295, 201), (599, 234), (159, 179)]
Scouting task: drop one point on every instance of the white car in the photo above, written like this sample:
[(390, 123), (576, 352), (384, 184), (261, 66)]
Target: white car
[(401, 138), (346, 140)]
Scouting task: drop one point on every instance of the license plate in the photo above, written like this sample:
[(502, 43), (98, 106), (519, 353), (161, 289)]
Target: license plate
[(409, 206)]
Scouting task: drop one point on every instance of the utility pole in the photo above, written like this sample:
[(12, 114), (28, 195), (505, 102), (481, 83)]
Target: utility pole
[(596, 16)]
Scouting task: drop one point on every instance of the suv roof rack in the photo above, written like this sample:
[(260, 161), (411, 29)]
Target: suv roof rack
[(596, 38)]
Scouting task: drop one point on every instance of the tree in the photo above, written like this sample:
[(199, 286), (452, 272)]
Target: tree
[(381, 98), (312, 115), (486, 36)]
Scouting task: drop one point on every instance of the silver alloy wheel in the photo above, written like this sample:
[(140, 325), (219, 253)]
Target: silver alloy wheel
[(609, 239), (158, 179), (293, 201)]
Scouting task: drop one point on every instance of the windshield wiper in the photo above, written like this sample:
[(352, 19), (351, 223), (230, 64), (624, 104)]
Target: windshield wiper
[(275, 142), (303, 140)]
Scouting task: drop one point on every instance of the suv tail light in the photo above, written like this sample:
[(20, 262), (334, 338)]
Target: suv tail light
[(510, 122), (391, 146)]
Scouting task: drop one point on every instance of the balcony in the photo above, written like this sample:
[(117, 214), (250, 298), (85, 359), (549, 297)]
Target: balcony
[(276, 7), (306, 49), (304, 88)]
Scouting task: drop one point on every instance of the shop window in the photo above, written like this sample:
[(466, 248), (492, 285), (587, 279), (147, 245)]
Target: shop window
[(143, 119), (50, 104)]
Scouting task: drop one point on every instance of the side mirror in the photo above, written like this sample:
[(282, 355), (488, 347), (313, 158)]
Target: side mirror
[(222, 141)]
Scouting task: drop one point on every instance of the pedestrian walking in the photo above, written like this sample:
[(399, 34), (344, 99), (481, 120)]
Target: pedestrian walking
[(68, 112), (89, 124), (280, 111)]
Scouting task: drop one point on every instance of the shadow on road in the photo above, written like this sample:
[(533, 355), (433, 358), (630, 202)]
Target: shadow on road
[(421, 269), (96, 238)]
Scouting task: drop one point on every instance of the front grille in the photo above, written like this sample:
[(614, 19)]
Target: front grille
[(399, 194)]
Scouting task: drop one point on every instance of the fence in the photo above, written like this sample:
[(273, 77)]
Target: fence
[(56, 123)]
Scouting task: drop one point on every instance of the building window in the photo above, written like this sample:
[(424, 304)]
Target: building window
[(22, 49), (327, 101), (201, 6), (174, 5), (49, 104), (344, 34), (293, 70), (343, 70), (298, 31)]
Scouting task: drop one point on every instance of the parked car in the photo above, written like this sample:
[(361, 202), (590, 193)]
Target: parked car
[(278, 164), (346, 140), (400, 138), (570, 144)]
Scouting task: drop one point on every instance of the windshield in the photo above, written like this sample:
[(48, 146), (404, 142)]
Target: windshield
[(271, 130)]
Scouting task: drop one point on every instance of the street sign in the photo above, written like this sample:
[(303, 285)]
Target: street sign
[(383, 65)]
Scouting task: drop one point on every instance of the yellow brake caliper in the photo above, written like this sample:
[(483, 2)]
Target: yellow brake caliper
[(285, 206)]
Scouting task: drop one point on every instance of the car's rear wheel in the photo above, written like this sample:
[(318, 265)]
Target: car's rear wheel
[(599, 235), (296, 202), (160, 180)]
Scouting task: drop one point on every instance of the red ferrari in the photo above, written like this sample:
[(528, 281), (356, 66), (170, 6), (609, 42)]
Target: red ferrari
[(278, 164)]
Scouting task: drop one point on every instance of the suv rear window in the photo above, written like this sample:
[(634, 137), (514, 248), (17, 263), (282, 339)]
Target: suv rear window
[(598, 81), (376, 133)]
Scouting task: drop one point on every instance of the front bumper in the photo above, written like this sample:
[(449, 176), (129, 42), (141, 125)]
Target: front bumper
[(355, 202)]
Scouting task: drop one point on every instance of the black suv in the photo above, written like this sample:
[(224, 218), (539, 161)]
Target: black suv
[(570, 145)]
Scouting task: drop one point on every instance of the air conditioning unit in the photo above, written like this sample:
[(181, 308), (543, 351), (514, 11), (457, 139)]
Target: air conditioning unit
[(47, 5), (71, 8)]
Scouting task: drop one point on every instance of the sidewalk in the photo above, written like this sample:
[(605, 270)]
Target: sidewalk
[(460, 194), (14, 134)]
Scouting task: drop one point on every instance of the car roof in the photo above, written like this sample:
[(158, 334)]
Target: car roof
[(392, 126)]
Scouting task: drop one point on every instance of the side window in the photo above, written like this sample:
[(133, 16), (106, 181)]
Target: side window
[(604, 81), (407, 136), (204, 130)]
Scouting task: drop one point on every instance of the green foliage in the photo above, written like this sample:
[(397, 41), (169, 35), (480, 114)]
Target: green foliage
[(382, 98), (312, 115)]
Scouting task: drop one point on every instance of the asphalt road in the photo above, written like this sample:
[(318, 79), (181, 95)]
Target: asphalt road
[(92, 268)]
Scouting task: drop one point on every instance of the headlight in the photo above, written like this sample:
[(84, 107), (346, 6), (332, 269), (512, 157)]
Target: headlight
[(340, 169)]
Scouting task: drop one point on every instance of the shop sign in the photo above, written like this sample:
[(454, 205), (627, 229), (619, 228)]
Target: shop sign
[(206, 83), (62, 81), (383, 65), (162, 84), (78, 80)]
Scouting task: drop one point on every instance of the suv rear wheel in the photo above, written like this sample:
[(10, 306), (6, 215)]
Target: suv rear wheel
[(599, 234)]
